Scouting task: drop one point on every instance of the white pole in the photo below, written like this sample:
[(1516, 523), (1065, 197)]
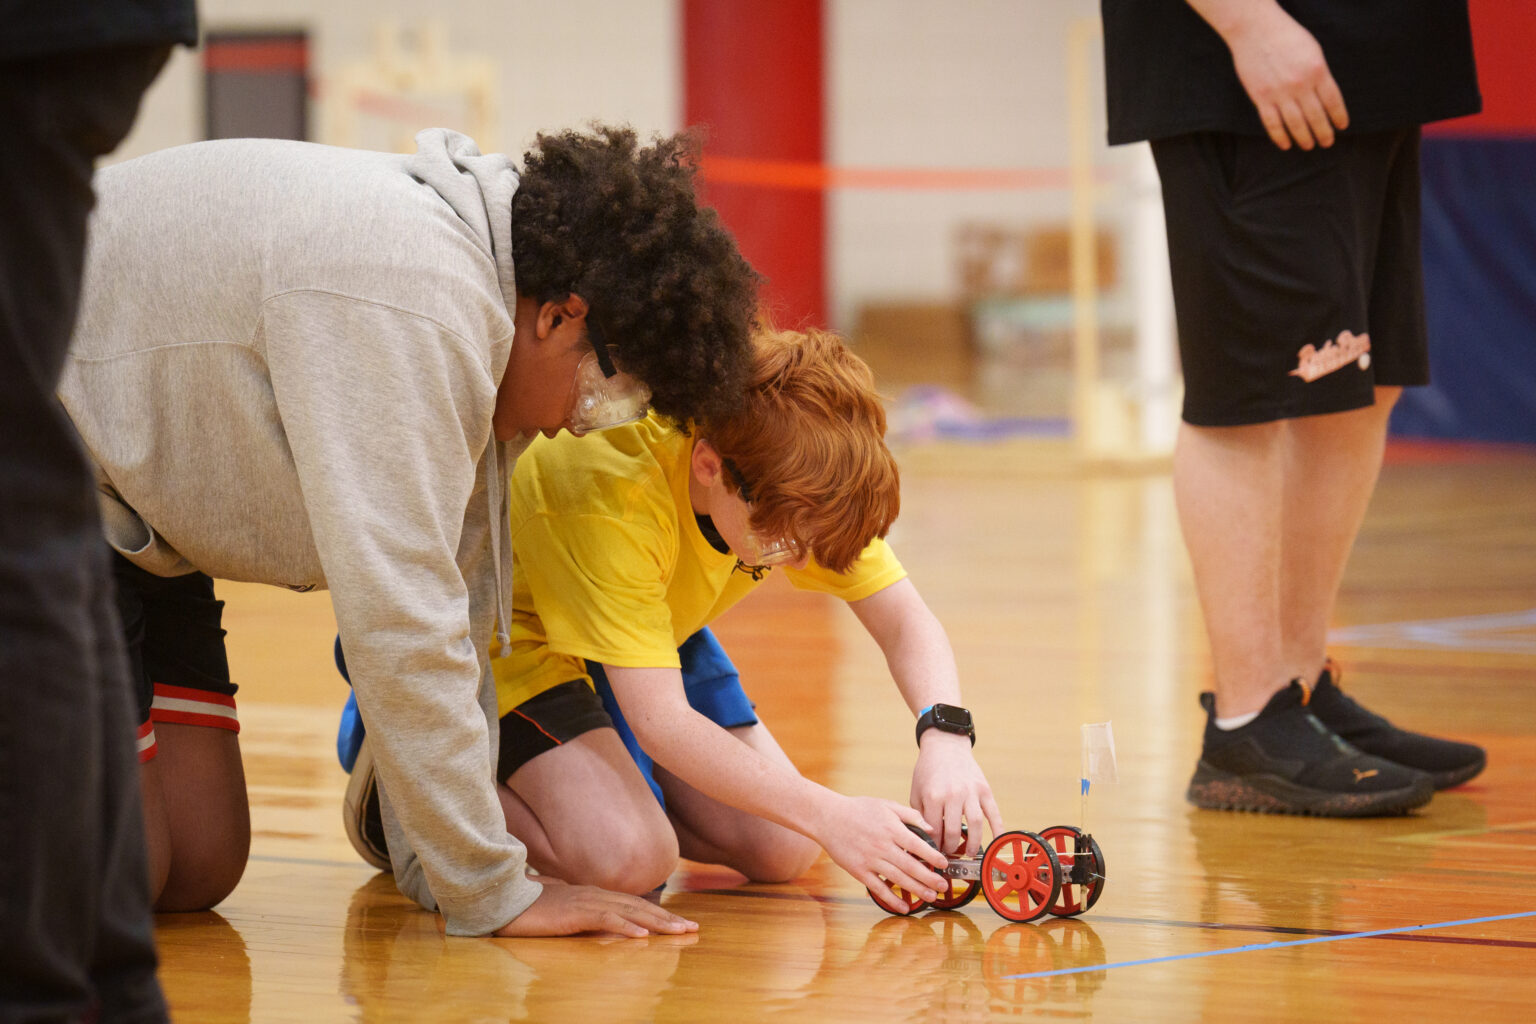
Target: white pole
[(1152, 292), (1086, 427)]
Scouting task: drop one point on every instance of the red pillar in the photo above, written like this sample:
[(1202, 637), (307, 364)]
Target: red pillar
[(1503, 37), (753, 79)]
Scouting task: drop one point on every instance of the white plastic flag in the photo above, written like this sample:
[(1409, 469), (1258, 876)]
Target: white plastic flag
[(1098, 762), (1098, 755)]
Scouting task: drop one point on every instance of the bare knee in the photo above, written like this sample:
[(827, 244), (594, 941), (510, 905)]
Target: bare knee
[(634, 859), (202, 885), (207, 863), (157, 829), (206, 815)]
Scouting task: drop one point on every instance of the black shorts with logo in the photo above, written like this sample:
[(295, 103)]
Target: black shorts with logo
[(1296, 274)]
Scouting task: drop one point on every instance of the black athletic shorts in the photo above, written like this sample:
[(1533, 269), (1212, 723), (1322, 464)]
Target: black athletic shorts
[(544, 722), (176, 658), (1296, 274)]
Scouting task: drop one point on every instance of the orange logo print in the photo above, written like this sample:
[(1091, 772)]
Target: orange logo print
[(1349, 347), (1362, 774)]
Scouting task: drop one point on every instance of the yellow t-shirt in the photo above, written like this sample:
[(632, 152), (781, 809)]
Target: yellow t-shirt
[(609, 563)]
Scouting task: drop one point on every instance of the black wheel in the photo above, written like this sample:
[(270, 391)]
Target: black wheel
[(959, 893), (914, 902), (1082, 869)]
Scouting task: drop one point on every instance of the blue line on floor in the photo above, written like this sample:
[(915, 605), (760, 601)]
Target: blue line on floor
[(1270, 945)]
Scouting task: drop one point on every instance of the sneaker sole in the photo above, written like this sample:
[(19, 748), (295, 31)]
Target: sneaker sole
[(1217, 790), (361, 790), (1456, 776)]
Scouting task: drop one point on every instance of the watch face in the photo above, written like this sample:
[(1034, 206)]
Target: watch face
[(949, 717)]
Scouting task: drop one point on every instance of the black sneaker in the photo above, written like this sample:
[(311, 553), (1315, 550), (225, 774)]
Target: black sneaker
[(1449, 763), (1287, 762), (361, 814)]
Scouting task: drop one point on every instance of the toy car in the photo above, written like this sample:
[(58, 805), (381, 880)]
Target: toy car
[(1024, 875)]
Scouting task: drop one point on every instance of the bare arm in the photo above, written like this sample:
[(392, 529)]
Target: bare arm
[(1282, 69), (865, 836), (948, 785)]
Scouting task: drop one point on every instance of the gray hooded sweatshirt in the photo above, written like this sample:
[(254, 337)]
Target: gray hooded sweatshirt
[(285, 368)]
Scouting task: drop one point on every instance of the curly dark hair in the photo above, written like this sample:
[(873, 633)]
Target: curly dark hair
[(617, 223)]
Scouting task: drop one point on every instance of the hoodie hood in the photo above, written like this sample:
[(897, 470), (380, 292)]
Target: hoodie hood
[(479, 188)]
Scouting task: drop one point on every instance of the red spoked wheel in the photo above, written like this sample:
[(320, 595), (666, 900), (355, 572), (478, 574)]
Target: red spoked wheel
[(1020, 876), (960, 891), (1082, 869), (913, 901)]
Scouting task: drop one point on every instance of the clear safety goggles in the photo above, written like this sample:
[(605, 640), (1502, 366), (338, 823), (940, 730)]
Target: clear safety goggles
[(602, 400), (761, 552), (766, 552)]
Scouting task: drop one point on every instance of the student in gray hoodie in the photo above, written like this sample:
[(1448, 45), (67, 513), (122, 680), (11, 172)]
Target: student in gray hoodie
[(300, 365)]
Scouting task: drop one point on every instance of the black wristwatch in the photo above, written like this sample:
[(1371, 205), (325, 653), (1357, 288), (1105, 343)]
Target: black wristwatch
[(947, 718)]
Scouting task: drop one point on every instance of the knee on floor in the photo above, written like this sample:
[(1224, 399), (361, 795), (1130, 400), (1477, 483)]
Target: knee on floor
[(634, 861), (201, 882)]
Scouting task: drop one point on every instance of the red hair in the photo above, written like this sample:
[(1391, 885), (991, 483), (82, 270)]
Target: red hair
[(810, 443)]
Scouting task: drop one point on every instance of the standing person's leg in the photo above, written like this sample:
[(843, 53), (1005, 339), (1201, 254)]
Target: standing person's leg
[(76, 928), (1269, 513), (1272, 267), (1228, 485), (1331, 463)]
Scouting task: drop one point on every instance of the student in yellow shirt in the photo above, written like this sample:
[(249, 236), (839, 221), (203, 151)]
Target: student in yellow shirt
[(627, 545), (626, 736)]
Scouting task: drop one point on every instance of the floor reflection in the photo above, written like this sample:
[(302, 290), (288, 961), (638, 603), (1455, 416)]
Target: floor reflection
[(205, 968), (820, 960), (398, 965), (1289, 874)]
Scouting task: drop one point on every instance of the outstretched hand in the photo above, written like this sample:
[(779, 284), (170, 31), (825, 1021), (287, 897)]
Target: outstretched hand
[(570, 909), (1283, 70), (869, 839)]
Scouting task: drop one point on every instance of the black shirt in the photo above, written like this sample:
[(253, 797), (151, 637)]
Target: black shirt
[(41, 28), (1398, 63)]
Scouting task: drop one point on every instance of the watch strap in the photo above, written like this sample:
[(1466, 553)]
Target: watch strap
[(946, 718)]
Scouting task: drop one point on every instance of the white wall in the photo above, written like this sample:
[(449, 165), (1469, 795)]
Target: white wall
[(910, 84), (562, 62), (965, 84)]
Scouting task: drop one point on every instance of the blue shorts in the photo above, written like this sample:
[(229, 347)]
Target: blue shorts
[(560, 714)]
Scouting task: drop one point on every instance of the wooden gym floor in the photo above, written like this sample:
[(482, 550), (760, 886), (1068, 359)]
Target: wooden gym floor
[(1067, 596)]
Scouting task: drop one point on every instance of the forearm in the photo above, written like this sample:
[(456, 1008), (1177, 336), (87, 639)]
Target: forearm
[(710, 759), (916, 648), (923, 665), (447, 835), (714, 762), (947, 783)]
